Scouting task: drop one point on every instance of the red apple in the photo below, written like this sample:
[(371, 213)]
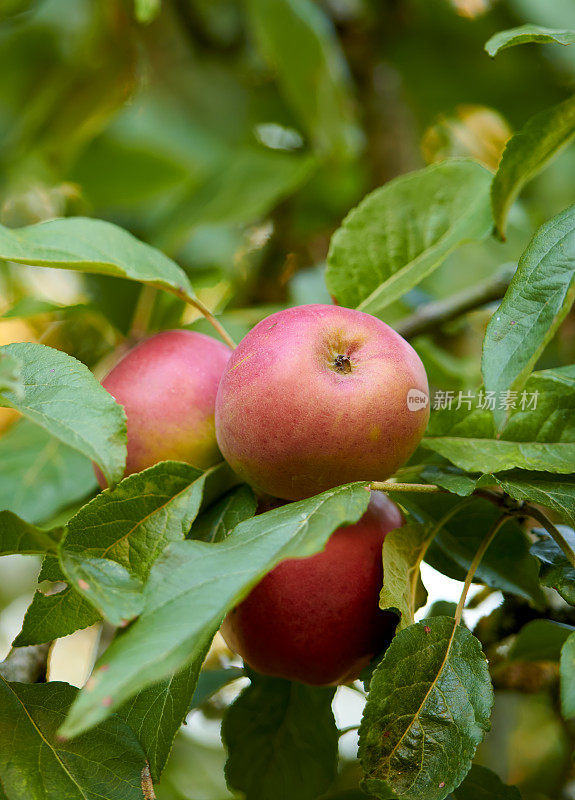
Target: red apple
[(168, 385), (318, 396), (317, 620)]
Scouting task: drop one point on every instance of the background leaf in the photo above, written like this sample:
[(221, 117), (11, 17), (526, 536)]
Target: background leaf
[(404, 230), (568, 678), (539, 640), (63, 396), (482, 784), (217, 521), (507, 564), (298, 40), (527, 34), (428, 709), (106, 764), (18, 536), (556, 571), (527, 152), (281, 739)]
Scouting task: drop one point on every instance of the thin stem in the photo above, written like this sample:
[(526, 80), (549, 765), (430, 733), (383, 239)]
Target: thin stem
[(143, 312), (214, 322), (434, 315), (532, 511), (492, 533), (389, 486)]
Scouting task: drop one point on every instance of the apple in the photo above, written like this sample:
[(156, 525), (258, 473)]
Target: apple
[(167, 385), (317, 396), (317, 619)]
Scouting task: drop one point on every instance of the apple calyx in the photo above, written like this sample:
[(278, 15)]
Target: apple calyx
[(342, 364)]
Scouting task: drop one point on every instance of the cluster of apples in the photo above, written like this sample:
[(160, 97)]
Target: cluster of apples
[(312, 398)]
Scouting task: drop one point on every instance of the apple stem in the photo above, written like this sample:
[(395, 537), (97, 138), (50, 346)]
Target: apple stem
[(214, 323), (389, 486), (143, 312), (491, 534)]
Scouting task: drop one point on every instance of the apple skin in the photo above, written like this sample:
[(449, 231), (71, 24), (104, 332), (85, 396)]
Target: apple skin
[(294, 422), (317, 620), (167, 385)]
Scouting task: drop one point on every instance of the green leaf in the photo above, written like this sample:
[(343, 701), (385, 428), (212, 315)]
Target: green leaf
[(556, 570), (92, 245), (403, 552), (133, 523), (527, 152), (157, 713), (11, 375), (217, 522), (527, 34), (242, 190), (211, 681), (496, 455), (428, 709), (567, 671), (482, 784), (40, 475), (51, 616), (557, 493), (147, 10), (282, 740), (62, 396), (35, 764), (18, 536), (539, 640), (536, 302), (108, 586), (113, 541), (553, 418), (542, 414), (401, 233), (507, 564), (298, 40), (193, 585), (451, 478)]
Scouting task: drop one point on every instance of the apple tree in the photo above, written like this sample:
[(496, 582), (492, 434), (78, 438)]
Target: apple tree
[(269, 375)]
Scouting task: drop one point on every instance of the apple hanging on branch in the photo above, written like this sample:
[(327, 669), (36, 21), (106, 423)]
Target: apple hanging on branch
[(167, 385), (317, 619), (318, 396)]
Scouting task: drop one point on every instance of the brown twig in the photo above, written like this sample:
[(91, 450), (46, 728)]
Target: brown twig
[(433, 315)]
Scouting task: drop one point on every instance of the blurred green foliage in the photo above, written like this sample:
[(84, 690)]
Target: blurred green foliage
[(235, 136)]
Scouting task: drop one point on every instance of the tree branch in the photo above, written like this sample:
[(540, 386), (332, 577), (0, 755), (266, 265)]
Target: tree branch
[(434, 315), (26, 664)]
